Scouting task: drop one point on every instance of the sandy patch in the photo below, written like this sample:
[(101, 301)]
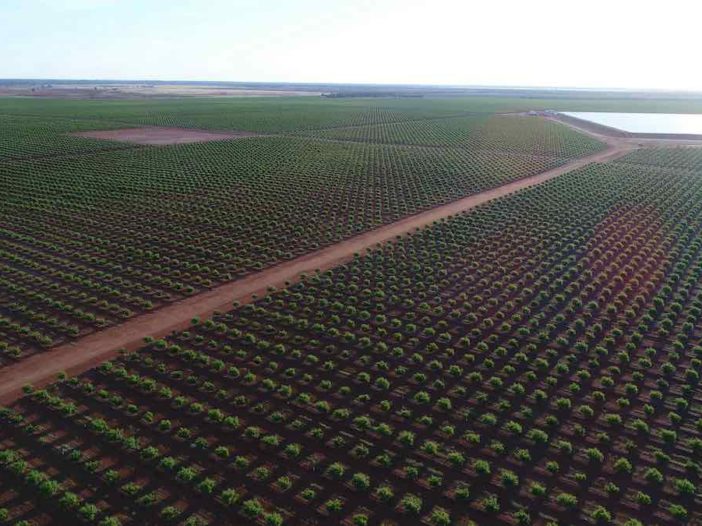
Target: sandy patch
[(161, 136)]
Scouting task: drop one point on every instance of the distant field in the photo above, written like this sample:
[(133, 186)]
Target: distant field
[(34, 127), (278, 114), (475, 132), (106, 91), (262, 115)]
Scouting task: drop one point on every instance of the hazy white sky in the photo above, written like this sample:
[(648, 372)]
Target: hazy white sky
[(612, 43)]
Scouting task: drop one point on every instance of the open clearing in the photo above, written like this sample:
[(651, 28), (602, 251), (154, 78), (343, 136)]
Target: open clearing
[(159, 136)]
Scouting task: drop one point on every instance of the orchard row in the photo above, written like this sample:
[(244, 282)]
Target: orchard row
[(534, 361), (91, 240)]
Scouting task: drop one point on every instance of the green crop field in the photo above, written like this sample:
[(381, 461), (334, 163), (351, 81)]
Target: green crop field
[(533, 360), (23, 137), (94, 232), (475, 132)]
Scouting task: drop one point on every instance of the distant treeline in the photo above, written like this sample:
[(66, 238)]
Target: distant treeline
[(395, 94), (336, 90)]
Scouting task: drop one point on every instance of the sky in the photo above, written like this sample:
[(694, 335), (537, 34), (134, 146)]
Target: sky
[(596, 44)]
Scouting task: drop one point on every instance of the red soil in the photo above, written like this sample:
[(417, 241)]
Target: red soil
[(161, 136)]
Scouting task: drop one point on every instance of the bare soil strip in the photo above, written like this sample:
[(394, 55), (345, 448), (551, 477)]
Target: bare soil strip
[(157, 135), (89, 351)]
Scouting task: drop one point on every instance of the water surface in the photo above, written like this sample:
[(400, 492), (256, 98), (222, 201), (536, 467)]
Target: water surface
[(669, 123)]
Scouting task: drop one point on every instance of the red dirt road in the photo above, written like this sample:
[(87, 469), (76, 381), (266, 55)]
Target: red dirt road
[(95, 348)]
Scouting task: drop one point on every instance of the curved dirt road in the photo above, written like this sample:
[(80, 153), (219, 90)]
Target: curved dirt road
[(87, 352)]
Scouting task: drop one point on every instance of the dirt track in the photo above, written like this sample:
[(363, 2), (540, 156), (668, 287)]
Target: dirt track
[(90, 350)]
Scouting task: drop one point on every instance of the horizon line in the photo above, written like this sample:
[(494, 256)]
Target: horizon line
[(358, 84)]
